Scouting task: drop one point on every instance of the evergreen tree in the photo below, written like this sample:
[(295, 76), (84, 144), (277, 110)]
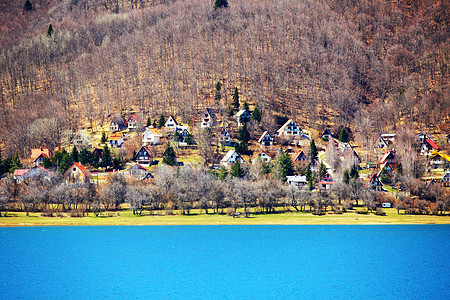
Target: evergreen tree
[(50, 30), (161, 121), (169, 157), (235, 102), (154, 123), (354, 172), (15, 163), (346, 177), (28, 6), (244, 135), (220, 4), (343, 136), (106, 158), (74, 154), (57, 157), (237, 170), (223, 173), (245, 106), (116, 163), (66, 162), (134, 155), (322, 171), (283, 165), (84, 156), (218, 94), (308, 173), (189, 139), (312, 150), (241, 147), (104, 138), (149, 122), (177, 137), (256, 114), (400, 169), (47, 163)]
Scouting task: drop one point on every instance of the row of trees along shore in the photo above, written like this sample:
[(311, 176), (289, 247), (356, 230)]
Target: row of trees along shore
[(368, 65), (180, 189)]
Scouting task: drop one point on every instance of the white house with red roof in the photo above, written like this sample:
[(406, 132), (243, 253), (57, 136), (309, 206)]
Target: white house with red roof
[(134, 123), (263, 156), (37, 155), (266, 140), (77, 173)]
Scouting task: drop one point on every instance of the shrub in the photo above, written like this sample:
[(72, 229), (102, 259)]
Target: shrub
[(362, 212)]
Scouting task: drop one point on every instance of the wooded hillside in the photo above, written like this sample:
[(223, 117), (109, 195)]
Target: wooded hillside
[(364, 64)]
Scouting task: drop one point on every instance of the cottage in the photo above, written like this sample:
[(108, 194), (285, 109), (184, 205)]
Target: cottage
[(327, 135), (290, 128), (300, 159), (422, 136), (37, 155), (77, 173), (428, 146), (381, 143), (242, 116), (137, 171), (224, 137), (326, 182), (116, 140), (134, 123), (208, 118), (144, 155), (38, 172), (151, 136), (263, 156), (117, 123), (445, 181), (296, 180), (171, 123), (389, 157), (18, 174), (314, 165), (439, 161), (266, 140), (231, 157), (374, 183), (81, 141)]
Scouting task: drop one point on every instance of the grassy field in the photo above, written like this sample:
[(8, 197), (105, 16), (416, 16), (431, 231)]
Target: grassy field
[(127, 218)]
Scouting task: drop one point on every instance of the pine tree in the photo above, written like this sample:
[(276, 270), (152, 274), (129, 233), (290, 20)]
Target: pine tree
[(223, 173), (312, 151), (220, 4), (104, 138), (50, 30), (169, 157), (66, 162), (322, 171), (106, 157), (161, 121), (245, 106), (47, 162), (346, 177), (256, 114), (134, 155), (308, 173), (84, 156), (149, 122), (237, 170), (218, 94), (235, 102), (343, 136), (15, 163), (28, 6), (74, 154), (154, 123), (286, 168), (244, 135)]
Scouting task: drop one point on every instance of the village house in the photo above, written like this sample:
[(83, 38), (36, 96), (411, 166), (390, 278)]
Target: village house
[(422, 136), (137, 171), (299, 181), (290, 128), (38, 172), (445, 181), (381, 143), (439, 161), (18, 174), (389, 157), (327, 135), (77, 173), (224, 137), (117, 124), (266, 140), (144, 155), (116, 140), (81, 141), (37, 155), (374, 183), (242, 116), (208, 118), (151, 136), (428, 146), (326, 182), (134, 123), (230, 158), (171, 123), (263, 156), (314, 165), (300, 159)]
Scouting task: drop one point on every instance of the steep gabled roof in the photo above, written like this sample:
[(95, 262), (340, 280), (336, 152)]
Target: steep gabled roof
[(136, 118), (229, 155), (82, 169), (263, 135), (173, 119), (282, 128), (82, 136), (260, 153), (115, 136), (36, 153), (224, 132), (138, 166), (298, 155), (432, 144), (327, 132), (210, 112), (386, 155), (118, 120), (383, 141), (147, 149)]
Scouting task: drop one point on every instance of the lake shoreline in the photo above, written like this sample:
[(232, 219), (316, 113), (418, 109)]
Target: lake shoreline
[(126, 218)]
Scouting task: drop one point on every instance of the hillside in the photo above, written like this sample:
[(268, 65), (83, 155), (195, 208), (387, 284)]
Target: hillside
[(372, 64)]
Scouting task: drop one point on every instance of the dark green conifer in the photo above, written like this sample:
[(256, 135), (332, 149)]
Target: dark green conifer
[(50, 30), (256, 114), (235, 102), (28, 6), (169, 157), (237, 170), (220, 4)]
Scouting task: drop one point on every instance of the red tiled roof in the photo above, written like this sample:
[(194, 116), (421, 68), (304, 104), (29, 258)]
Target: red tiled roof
[(35, 153), (136, 117), (82, 169), (20, 172)]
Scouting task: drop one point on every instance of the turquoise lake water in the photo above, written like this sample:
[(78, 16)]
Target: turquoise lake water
[(226, 262)]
